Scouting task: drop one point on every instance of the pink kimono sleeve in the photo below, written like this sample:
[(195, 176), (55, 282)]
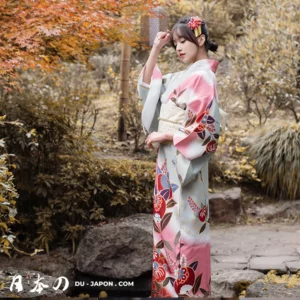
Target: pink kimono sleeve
[(201, 131), (197, 139)]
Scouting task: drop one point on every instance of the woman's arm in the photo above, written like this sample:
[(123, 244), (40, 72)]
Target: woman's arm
[(161, 39), (158, 137)]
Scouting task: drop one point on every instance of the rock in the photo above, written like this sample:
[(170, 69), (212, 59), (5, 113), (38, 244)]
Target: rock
[(266, 263), (275, 291), (229, 283), (123, 250), (283, 209), (225, 207), (30, 283)]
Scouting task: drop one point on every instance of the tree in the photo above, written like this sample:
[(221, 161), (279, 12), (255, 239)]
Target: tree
[(266, 60), (41, 33), (221, 16)]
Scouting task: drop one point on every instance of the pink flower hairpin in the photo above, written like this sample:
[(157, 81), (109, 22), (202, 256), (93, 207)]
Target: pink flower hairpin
[(195, 24)]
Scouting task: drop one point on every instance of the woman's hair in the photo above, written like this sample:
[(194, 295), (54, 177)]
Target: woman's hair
[(182, 29)]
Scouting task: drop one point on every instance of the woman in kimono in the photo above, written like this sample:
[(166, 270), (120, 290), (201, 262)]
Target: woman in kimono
[(181, 113)]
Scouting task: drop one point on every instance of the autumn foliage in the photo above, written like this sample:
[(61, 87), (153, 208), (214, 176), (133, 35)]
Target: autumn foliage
[(41, 33)]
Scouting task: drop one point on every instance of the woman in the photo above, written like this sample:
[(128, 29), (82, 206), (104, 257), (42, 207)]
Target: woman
[(181, 113)]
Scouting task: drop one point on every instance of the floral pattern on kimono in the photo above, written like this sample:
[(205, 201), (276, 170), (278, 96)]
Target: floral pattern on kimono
[(181, 250)]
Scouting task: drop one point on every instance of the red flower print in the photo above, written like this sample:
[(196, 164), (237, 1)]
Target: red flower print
[(159, 205), (159, 258), (211, 128), (155, 255), (160, 274), (185, 281), (200, 128), (211, 146), (202, 214)]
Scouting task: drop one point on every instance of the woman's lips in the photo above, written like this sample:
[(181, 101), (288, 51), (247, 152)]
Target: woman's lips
[(181, 55)]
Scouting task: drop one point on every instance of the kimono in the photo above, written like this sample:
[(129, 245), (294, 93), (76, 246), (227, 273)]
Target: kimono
[(181, 249)]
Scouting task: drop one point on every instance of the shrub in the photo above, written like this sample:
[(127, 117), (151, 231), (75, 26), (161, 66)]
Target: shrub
[(84, 191), (234, 163), (276, 150), (105, 69), (133, 112), (264, 82), (58, 118), (8, 197), (63, 185)]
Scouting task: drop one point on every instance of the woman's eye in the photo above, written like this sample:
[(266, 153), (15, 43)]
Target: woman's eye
[(182, 41)]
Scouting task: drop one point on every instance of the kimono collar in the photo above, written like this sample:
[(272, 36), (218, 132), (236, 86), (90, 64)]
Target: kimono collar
[(190, 70), (210, 63)]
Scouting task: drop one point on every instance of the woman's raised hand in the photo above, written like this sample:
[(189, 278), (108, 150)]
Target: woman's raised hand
[(162, 38)]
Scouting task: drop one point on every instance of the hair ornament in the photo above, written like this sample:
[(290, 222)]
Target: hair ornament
[(195, 24)]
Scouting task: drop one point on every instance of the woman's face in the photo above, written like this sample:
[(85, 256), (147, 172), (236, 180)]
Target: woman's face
[(186, 50)]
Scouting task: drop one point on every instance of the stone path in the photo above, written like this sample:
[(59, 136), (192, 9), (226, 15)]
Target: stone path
[(243, 253)]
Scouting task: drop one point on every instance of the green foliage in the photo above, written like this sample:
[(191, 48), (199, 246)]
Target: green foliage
[(85, 190), (8, 197), (268, 80), (128, 184), (235, 164), (63, 185), (59, 108), (276, 150)]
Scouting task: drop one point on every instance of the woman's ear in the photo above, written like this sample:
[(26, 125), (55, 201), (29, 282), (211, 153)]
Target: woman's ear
[(201, 40)]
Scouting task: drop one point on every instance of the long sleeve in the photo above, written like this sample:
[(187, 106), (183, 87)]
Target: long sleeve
[(150, 97), (196, 141)]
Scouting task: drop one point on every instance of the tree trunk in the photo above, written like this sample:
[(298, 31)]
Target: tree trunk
[(124, 89)]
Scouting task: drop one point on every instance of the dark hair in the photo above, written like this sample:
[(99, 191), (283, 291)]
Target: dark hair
[(183, 30)]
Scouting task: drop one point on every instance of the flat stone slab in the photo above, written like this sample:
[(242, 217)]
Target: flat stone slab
[(266, 263), (226, 283), (217, 267), (229, 262), (282, 250), (293, 266), (260, 240), (231, 259), (274, 291), (282, 209)]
